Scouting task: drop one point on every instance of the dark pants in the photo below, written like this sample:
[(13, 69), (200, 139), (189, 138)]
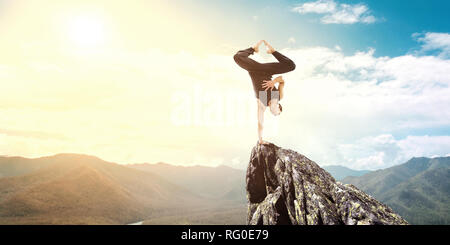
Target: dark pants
[(263, 71), (284, 65)]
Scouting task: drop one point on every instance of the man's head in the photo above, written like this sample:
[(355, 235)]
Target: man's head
[(275, 107)]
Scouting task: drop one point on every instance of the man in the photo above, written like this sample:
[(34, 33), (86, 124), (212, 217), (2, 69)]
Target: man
[(261, 75)]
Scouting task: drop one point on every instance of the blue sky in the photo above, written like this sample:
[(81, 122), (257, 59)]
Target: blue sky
[(371, 88), (393, 29), (231, 21)]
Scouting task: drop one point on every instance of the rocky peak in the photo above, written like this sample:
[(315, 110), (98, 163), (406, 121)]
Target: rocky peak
[(285, 187)]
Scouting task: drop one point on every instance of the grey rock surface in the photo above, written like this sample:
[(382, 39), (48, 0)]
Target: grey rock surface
[(286, 188)]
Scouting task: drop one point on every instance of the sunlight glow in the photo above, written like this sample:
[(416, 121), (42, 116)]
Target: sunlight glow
[(87, 31)]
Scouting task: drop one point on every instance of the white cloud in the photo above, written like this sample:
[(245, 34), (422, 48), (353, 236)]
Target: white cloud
[(433, 41), (384, 151), (333, 101), (375, 161), (291, 40), (335, 13), (319, 7)]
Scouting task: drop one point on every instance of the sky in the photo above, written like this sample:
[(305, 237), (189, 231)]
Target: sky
[(155, 81)]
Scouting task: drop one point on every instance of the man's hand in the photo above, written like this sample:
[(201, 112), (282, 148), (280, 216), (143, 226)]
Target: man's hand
[(268, 84), (271, 83), (263, 142), (270, 49), (256, 47)]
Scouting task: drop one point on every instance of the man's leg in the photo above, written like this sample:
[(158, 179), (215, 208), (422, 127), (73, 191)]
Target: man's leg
[(284, 65)]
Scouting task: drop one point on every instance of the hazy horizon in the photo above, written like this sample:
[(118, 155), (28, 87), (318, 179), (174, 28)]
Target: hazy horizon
[(199, 165)]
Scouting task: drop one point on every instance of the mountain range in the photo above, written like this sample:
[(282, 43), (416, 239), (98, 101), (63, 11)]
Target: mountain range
[(82, 189), (419, 190), (340, 172), (220, 182)]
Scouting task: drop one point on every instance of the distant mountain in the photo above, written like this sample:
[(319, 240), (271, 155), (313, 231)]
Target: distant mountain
[(340, 172), (419, 190), (81, 189), (220, 182), (13, 166)]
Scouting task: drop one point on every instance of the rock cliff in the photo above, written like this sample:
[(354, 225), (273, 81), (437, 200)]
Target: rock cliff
[(286, 188)]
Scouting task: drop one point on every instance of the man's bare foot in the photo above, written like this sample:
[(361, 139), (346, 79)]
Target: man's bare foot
[(270, 49), (256, 47)]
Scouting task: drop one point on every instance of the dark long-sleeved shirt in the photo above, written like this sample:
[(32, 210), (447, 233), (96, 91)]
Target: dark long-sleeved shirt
[(263, 71)]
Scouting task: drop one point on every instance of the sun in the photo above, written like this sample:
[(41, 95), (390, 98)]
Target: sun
[(86, 30)]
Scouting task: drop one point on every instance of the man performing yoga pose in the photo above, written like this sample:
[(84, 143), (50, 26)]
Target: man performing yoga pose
[(261, 75)]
